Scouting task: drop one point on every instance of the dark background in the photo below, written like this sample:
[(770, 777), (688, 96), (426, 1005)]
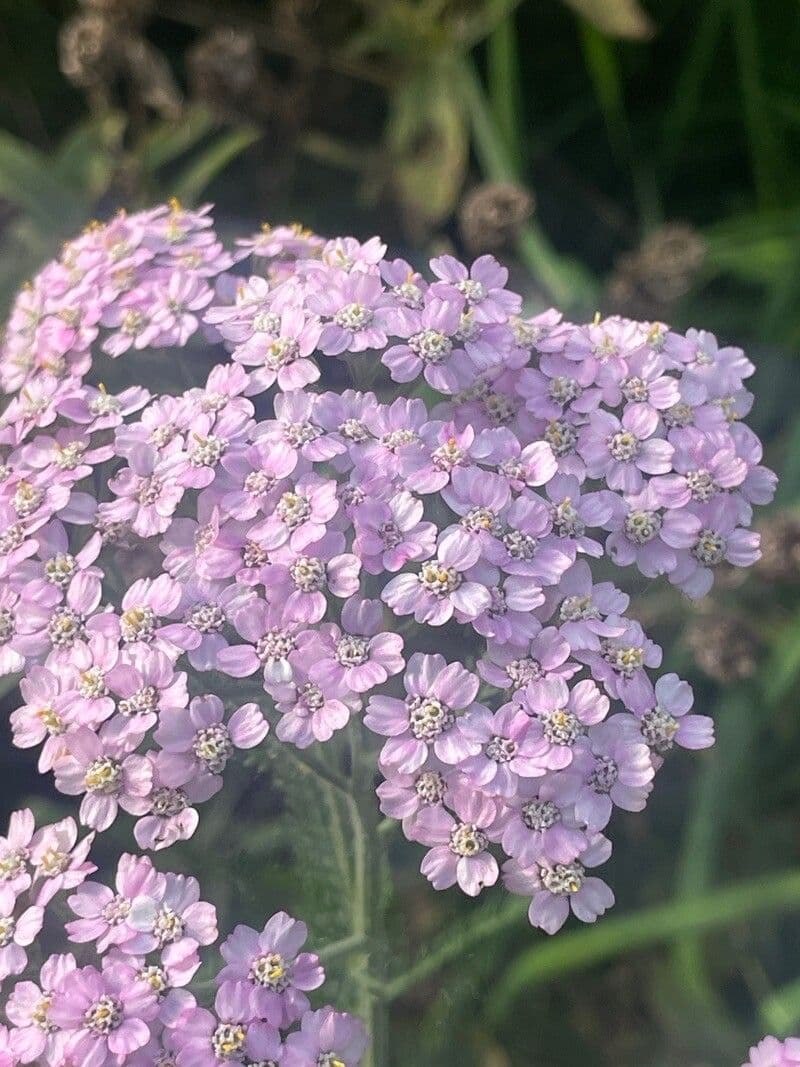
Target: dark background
[(633, 159)]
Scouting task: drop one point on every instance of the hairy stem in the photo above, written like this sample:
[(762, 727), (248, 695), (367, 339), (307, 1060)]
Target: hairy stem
[(368, 902)]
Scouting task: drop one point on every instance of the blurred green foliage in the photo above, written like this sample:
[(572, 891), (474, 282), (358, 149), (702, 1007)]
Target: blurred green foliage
[(659, 144)]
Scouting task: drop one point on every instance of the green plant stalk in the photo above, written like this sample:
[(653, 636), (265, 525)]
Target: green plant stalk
[(564, 281), (368, 904)]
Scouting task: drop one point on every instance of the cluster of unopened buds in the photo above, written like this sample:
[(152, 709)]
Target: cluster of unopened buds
[(133, 1004), (418, 557)]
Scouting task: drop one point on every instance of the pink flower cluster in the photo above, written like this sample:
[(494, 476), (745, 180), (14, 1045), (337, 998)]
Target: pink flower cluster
[(419, 557), (774, 1053), (132, 1003)]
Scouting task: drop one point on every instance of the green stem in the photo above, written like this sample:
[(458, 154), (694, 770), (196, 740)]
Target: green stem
[(564, 281), (482, 928), (343, 947), (504, 87), (307, 764)]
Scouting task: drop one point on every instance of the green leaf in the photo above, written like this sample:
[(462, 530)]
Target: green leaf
[(28, 180), (615, 18), (199, 174), (766, 158), (783, 667), (486, 922), (566, 282), (505, 87), (86, 158), (613, 937), (715, 803), (167, 141), (687, 99), (780, 1012), (602, 62), (789, 484)]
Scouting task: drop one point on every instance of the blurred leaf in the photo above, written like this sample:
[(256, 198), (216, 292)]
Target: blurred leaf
[(615, 18), (758, 247), (166, 141), (198, 175), (484, 923), (764, 149), (784, 662), (603, 64), (564, 281), (29, 181), (713, 807), (649, 926), (789, 484), (427, 141), (780, 1012), (687, 99), (86, 158), (505, 87)]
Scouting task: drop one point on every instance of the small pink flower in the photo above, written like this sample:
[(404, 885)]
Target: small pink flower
[(460, 845), (106, 772), (271, 964), (16, 933), (201, 743)]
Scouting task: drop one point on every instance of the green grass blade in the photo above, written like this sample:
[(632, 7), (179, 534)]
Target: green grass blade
[(28, 181), (603, 67), (687, 100), (564, 281), (766, 162), (167, 141), (783, 666), (713, 805), (579, 949), (199, 174)]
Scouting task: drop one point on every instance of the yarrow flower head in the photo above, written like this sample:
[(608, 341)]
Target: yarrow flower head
[(412, 553), (136, 1001)]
